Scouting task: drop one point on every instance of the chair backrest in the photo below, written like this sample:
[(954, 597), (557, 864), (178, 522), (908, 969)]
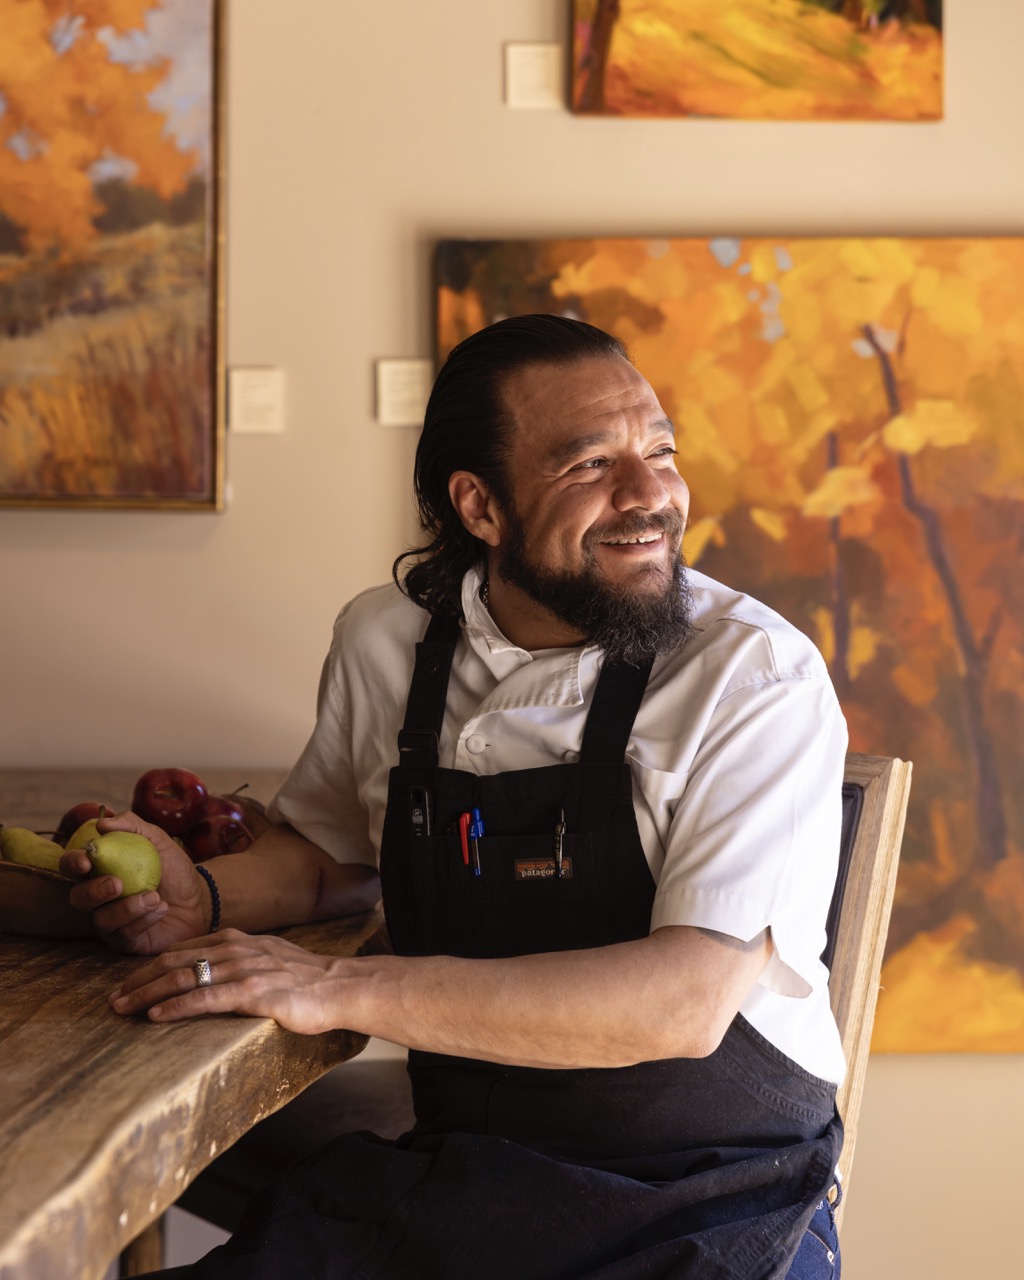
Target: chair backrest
[(875, 794)]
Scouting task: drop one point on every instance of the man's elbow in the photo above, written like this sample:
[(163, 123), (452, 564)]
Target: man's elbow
[(692, 1033)]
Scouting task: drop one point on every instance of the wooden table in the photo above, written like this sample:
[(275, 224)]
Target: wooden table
[(104, 1120)]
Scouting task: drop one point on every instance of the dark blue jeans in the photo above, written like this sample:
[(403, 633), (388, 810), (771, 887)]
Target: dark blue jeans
[(816, 1259), (818, 1255)]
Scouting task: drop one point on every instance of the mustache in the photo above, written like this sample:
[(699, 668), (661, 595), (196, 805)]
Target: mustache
[(668, 522)]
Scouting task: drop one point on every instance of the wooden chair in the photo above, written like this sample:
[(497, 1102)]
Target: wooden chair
[(876, 790), (375, 1094)]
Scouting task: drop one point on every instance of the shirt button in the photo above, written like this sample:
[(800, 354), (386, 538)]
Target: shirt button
[(476, 743), (570, 757)]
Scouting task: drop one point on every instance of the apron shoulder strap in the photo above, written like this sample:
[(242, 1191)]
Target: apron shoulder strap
[(617, 698), (424, 711)]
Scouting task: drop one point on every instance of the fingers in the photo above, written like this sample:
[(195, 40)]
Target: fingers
[(113, 912), (171, 973), (91, 894), (128, 821), (127, 922), (75, 864), (174, 992), (131, 924), (157, 836), (260, 976)]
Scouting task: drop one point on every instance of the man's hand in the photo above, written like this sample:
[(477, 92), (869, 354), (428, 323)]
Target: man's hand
[(672, 994), (147, 922), (281, 880), (261, 976)]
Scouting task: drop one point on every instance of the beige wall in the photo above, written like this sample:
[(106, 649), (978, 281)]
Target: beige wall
[(357, 134)]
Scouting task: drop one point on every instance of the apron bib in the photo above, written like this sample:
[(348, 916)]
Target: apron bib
[(704, 1168)]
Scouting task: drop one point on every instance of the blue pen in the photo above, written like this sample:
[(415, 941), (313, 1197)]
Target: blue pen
[(476, 830)]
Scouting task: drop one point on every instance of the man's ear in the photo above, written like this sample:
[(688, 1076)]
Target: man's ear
[(477, 506)]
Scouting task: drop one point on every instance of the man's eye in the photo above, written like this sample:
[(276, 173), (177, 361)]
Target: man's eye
[(666, 451), (591, 464)]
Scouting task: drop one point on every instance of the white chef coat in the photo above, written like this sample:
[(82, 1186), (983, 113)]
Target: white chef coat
[(736, 753)]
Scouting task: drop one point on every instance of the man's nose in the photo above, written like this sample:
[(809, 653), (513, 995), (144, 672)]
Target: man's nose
[(638, 484)]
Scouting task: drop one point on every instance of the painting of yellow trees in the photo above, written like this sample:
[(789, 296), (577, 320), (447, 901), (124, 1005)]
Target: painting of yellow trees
[(109, 264), (759, 59), (850, 419)]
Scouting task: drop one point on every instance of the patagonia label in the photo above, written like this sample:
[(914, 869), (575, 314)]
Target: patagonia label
[(541, 868)]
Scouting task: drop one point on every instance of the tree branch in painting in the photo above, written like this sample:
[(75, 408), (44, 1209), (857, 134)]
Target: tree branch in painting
[(989, 811), (596, 39)]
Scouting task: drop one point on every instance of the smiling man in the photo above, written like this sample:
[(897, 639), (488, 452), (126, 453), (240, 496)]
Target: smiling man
[(603, 794), (588, 531)]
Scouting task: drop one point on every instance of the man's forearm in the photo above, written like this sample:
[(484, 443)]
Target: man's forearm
[(284, 880), (673, 994)]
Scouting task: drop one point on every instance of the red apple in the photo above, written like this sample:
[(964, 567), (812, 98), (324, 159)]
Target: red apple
[(229, 824), (218, 834), (174, 799), (225, 807), (76, 815), (245, 809)]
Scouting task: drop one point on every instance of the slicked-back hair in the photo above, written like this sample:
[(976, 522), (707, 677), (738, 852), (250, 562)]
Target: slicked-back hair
[(467, 427)]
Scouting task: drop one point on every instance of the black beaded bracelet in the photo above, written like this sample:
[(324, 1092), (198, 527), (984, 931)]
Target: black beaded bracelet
[(214, 896)]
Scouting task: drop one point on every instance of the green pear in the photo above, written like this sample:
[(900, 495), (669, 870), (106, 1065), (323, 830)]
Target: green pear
[(86, 832), (130, 857), (18, 844)]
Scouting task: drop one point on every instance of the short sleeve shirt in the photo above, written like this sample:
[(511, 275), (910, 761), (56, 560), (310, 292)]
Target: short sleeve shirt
[(736, 754)]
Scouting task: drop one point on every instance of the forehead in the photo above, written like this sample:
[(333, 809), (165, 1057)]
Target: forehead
[(554, 406)]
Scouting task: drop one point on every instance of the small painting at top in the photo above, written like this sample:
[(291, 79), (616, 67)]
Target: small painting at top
[(759, 59)]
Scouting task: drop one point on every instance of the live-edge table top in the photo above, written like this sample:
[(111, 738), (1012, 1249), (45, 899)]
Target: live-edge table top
[(104, 1120)]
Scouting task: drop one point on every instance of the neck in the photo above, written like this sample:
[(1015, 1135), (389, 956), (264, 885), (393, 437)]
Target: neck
[(522, 620)]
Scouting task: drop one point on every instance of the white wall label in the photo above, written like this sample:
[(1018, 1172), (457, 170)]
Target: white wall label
[(256, 400), (403, 388), (535, 76)]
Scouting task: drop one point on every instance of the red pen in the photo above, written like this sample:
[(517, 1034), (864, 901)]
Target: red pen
[(464, 820)]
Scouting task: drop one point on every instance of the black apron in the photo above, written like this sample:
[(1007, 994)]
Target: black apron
[(705, 1168)]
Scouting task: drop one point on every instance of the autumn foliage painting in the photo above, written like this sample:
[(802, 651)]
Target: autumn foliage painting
[(850, 419), (109, 298), (759, 59)]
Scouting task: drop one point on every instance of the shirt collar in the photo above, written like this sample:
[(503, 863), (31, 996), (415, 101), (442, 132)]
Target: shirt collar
[(563, 668), (480, 626)]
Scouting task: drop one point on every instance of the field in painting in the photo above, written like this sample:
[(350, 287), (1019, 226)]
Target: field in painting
[(105, 370), (759, 59)]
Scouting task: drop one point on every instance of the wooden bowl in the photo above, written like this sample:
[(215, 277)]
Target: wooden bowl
[(35, 902)]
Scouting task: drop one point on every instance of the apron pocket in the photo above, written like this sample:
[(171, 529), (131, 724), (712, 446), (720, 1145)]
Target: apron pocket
[(518, 904), (521, 870)]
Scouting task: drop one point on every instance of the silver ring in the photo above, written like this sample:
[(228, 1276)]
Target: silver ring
[(203, 972)]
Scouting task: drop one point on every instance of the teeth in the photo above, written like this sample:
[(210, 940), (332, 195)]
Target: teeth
[(626, 542)]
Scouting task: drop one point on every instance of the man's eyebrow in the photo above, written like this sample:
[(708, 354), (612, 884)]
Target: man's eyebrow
[(579, 445)]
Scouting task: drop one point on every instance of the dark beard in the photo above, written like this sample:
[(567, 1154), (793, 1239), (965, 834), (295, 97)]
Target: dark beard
[(627, 625)]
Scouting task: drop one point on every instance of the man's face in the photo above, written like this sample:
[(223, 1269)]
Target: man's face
[(594, 526)]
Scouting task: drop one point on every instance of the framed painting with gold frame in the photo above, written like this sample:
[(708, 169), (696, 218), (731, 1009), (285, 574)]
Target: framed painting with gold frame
[(111, 272)]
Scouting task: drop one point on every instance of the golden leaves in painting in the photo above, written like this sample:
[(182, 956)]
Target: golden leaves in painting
[(752, 59), (67, 104), (850, 417)]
